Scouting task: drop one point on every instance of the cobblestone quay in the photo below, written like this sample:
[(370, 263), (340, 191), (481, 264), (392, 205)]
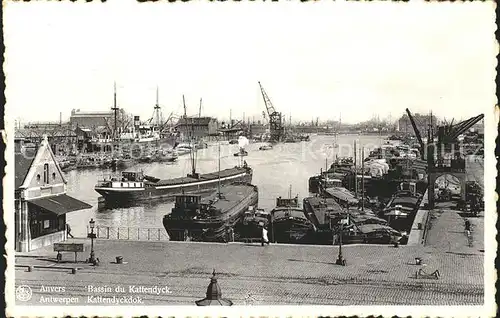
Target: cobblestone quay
[(162, 273)]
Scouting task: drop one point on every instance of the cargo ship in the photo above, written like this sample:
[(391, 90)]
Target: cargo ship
[(134, 186), (211, 218)]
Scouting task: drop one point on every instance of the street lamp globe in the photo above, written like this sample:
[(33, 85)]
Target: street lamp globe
[(92, 223)]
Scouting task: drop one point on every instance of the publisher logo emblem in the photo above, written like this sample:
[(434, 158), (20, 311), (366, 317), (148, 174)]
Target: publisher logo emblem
[(23, 293)]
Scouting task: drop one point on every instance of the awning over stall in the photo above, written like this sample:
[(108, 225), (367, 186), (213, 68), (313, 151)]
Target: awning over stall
[(60, 204)]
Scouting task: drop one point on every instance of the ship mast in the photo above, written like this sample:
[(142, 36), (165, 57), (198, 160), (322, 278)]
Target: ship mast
[(355, 172), (192, 154), (362, 178), (218, 175), (157, 109), (115, 110), (157, 115)]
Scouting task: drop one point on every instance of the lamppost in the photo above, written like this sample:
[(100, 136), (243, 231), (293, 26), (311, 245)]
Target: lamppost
[(92, 236), (340, 258)]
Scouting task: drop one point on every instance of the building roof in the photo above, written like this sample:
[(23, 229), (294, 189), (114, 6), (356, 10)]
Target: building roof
[(22, 166), (60, 204), (194, 121), (92, 114)]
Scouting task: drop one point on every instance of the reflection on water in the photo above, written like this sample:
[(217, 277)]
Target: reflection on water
[(274, 171)]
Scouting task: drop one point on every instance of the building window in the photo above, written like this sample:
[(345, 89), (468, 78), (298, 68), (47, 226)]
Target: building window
[(46, 224), (46, 173), (53, 175), (38, 178)]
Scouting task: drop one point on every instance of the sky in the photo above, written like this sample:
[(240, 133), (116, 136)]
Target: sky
[(313, 59)]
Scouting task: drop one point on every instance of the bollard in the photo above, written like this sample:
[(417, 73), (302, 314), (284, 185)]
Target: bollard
[(138, 236), (107, 232), (148, 234), (418, 260), (30, 268), (73, 271), (119, 260)]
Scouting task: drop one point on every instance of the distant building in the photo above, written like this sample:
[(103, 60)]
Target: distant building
[(257, 130), (60, 137), (422, 122), (93, 119), (197, 127), (41, 202)]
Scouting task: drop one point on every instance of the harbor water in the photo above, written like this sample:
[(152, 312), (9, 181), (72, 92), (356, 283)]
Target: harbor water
[(286, 166)]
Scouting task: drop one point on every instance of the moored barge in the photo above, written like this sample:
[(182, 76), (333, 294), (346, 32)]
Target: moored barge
[(289, 223), (211, 218)]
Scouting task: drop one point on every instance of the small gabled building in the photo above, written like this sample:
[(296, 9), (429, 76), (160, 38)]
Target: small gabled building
[(41, 202)]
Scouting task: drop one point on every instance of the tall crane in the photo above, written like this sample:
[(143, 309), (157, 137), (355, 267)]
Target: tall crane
[(275, 119), (417, 132)]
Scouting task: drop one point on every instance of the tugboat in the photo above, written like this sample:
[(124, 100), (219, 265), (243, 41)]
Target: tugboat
[(209, 219), (266, 147), (241, 153), (289, 224), (242, 143)]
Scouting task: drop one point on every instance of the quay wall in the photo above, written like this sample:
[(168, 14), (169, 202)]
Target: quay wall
[(420, 223)]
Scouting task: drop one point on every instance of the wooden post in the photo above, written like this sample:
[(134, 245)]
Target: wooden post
[(107, 234), (148, 233), (138, 233), (118, 230), (75, 258)]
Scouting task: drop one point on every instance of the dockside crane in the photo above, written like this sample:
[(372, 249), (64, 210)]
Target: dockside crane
[(417, 133), (275, 119)]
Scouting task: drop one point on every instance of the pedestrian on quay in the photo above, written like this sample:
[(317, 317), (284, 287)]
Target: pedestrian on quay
[(264, 236), (68, 230), (467, 227)]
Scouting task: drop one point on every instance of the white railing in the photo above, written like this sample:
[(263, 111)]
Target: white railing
[(130, 233)]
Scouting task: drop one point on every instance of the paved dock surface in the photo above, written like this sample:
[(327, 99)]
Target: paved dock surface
[(251, 274)]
